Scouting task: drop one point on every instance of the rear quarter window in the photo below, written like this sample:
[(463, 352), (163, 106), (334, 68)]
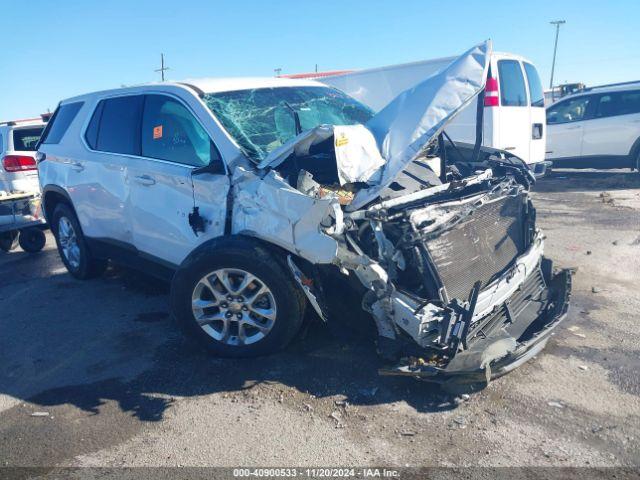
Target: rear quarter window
[(60, 122), (26, 139), (512, 90), (535, 85)]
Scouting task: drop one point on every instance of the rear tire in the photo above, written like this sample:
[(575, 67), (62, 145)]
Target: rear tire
[(8, 241), (32, 239), (72, 246), (215, 299)]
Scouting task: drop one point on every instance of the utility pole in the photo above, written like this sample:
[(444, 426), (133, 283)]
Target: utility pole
[(277, 71), (557, 23), (162, 68)]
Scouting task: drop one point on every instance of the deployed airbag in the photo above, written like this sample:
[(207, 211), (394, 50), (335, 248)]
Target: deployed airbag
[(356, 153)]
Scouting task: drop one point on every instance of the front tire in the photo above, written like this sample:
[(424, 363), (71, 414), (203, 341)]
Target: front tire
[(237, 300), (72, 245)]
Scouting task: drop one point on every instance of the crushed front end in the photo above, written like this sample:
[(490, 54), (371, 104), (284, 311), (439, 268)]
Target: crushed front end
[(466, 293)]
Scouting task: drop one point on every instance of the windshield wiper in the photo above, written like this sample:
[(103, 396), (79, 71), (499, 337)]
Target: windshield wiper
[(296, 117)]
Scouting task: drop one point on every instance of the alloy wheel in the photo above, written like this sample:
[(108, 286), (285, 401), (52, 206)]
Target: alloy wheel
[(68, 242), (233, 306)]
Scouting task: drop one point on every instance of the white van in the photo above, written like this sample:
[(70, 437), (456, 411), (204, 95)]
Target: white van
[(514, 114)]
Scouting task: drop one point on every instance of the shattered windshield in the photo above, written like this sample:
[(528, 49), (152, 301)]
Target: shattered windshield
[(262, 119)]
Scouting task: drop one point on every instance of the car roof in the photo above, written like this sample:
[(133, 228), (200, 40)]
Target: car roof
[(205, 85), (216, 85), (621, 87), (17, 124), (613, 88)]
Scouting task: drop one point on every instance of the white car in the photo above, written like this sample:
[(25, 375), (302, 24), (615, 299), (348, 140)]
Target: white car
[(258, 197), (596, 128), (19, 172), (514, 113)]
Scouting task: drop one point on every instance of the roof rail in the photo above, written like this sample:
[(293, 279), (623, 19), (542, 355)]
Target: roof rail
[(609, 85), (42, 118)]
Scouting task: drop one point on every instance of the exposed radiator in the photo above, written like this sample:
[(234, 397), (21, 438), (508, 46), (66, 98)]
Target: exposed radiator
[(480, 247)]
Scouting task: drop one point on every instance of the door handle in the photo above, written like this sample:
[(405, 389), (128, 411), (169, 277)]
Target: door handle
[(77, 166), (145, 180)]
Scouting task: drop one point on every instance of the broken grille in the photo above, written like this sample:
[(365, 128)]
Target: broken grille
[(481, 247)]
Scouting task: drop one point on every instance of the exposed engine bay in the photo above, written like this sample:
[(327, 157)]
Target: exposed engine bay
[(440, 235), (451, 261)]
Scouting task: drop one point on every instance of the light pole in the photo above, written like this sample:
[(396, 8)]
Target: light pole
[(557, 23)]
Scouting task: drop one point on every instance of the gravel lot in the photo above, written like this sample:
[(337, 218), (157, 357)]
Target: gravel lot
[(95, 374)]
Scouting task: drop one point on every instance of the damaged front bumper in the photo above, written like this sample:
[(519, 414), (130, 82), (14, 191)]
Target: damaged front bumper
[(506, 347)]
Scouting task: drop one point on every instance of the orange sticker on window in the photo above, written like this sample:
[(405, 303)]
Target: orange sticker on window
[(157, 132)]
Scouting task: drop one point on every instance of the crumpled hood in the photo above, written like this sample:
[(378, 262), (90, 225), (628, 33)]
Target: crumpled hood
[(408, 123)]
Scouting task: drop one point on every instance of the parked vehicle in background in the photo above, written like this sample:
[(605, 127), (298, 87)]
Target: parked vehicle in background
[(256, 197), (596, 128), (514, 101), (560, 91), (18, 140)]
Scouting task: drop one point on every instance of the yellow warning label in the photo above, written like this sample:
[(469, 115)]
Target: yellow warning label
[(342, 140), (157, 132)]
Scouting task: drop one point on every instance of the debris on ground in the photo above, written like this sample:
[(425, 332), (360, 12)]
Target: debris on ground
[(336, 416), (606, 198), (595, 290), (555, 404), (583, 367), (407, 433), (615, 242), (588, 252), (460, 420), (40, 414), (308, 407)]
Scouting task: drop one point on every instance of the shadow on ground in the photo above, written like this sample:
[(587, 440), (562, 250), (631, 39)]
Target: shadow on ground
[(317, 363), (587, 180)]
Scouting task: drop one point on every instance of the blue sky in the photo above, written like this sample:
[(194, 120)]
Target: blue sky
[(57, 49)]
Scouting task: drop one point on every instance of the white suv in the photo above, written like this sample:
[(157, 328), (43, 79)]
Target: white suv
[(18, 140), (258, 197), (596, 128)]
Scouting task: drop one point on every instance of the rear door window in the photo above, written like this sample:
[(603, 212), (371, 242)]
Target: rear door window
[(26, 139), (535, 86), (60, 122), (171, 132), (512, 89), (629, 102), (119, 125), (608, 105)]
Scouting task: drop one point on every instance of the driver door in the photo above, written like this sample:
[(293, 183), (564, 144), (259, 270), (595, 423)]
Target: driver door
[(565, 127), (173, 146)]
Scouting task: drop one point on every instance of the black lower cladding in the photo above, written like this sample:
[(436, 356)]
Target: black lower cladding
[(480, 247)]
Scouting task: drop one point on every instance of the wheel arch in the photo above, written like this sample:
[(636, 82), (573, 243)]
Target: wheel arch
[(634, 154), (53, 195), (241, 242)]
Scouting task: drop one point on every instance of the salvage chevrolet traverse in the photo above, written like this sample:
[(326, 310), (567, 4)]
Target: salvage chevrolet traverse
[(252, 195)]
